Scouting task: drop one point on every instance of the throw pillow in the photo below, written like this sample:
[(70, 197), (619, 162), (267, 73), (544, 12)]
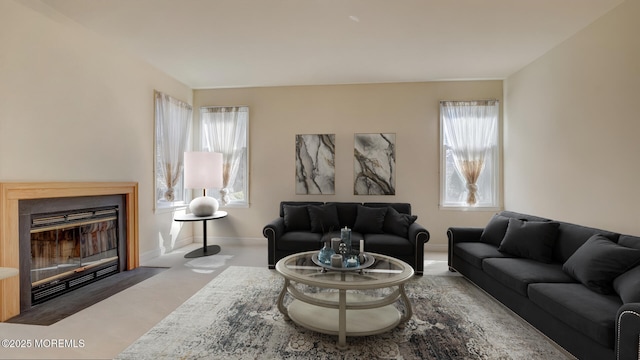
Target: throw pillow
[(599, 261), (629, 241), (324, 218), (370, 220), (494, 232), (397, 223), (627, 285), (530, 239), (296, 218)]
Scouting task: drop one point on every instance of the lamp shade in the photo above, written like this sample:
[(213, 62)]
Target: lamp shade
[(202, 170)]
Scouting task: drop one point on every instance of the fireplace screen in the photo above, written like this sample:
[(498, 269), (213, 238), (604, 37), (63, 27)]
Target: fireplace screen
[(67, 249)]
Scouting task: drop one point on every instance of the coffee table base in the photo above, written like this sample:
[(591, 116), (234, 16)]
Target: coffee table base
[(354, 322), (359, 322)]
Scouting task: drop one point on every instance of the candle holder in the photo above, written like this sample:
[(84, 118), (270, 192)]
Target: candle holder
[(351, 261), (336, 260)]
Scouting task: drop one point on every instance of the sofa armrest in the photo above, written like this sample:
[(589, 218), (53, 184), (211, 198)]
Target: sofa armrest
[(458, 235), (628, 332), (463, 234), (273, 231), (418, 236)]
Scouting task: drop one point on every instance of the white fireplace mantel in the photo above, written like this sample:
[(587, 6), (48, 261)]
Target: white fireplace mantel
[(10, 195)]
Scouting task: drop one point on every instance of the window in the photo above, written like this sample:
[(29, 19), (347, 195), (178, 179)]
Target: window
[(470, 154), (173, 123), (225, 129)]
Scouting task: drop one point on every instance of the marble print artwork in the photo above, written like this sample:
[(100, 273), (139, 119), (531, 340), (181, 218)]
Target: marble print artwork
[(315, 164), (374, 164)]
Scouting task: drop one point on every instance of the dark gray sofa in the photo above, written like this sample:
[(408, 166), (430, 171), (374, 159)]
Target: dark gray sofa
[(386, 228), (578, 285)]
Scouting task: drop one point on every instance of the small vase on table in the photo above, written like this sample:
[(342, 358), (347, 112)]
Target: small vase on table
[(325, 253)]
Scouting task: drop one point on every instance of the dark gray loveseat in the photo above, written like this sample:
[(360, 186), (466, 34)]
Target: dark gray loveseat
[(580, 286), (386, 228)]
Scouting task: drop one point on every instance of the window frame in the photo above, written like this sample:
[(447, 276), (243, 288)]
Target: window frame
[(160, 206), (245, 170), (495, 175)]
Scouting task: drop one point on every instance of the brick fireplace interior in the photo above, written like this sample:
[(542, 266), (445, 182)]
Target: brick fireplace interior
[(97, 214)]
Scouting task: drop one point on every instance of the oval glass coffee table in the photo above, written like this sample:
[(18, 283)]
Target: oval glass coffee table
[(344, 302)]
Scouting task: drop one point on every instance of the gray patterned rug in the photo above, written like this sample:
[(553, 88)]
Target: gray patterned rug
[(235, 317)]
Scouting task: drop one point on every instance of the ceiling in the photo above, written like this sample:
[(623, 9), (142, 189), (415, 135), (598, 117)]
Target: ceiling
[(245, 43)]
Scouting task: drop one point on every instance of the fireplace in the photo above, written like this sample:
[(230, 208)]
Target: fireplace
[(13, 196), (68, 243)]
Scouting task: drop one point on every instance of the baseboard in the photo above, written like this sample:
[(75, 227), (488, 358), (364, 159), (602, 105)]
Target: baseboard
[(152, 254), (231, 241), (248, 241), (436, 247), (181, 243), (149, 255)]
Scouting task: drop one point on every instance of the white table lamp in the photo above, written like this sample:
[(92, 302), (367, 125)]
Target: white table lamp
[(203, 170)]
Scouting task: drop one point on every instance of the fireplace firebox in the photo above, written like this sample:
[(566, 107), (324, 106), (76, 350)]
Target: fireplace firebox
[(71, 249), (68, 243)]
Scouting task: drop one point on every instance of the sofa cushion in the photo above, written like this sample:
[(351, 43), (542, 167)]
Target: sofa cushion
[(403, 208), (370, 220), (475, 252), (518, 273), (525, 217), (627, 285), (347, 213), (296, 218), (599, 261), (300, 241), (629, 241), (296, 203), (588, 312), (494, 232), (530, 239), (387, 244), (397, 223), (572, 236), (323, 218)]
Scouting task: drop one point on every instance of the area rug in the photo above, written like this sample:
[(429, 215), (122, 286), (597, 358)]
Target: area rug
[(235, 317)]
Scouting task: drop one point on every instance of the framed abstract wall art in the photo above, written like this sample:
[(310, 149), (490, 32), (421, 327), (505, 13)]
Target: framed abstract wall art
[(374, 164), (315, 164)]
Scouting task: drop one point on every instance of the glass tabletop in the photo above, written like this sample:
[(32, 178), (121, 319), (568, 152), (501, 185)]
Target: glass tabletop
[(384, 272)]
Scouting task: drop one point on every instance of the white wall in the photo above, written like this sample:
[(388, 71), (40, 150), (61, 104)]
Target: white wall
[(411, 110), (572, 124), (73, 107)]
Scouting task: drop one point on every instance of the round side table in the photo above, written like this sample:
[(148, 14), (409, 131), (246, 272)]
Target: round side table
[(205, 250)]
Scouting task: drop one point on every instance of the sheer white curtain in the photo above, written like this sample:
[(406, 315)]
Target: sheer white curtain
[(469, 132), (173, 125), (224, 130)]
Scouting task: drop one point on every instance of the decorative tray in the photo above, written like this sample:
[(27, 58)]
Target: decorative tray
[(368, 261)]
